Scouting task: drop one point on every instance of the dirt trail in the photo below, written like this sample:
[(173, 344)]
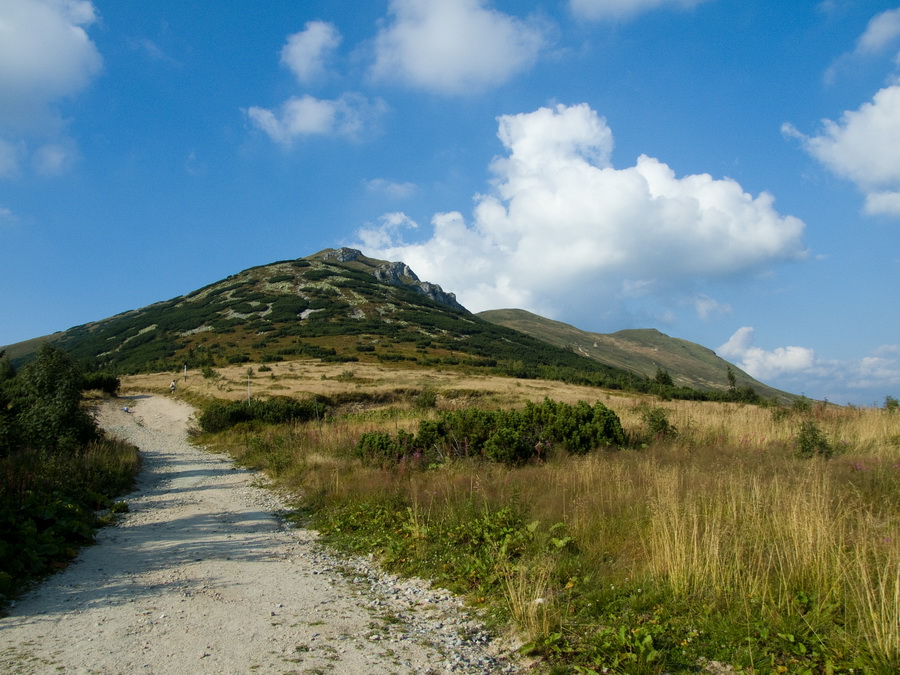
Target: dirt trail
[(200, 577)]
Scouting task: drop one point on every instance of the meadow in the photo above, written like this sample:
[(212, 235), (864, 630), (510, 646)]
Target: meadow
[(720, 535)]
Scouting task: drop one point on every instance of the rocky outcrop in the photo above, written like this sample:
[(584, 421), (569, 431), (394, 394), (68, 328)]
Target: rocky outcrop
[(395, 274), (399, 274)]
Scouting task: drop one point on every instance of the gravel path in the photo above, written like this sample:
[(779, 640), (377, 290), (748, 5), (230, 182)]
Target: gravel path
[(200, 577)]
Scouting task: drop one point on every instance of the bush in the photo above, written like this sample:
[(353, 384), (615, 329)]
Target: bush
[(504, 436), (278, 410), (656, 420), (103, 381), (811, 442), (46, 403)]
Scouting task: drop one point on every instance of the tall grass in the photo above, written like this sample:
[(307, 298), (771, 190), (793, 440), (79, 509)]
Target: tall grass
[(717, 542)]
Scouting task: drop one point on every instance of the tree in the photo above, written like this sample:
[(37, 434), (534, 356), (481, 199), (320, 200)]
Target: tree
[(663, 378), (47, 400), (732, 380)]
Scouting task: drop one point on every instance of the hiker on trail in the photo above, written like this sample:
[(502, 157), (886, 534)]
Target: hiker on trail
[(172, 387)]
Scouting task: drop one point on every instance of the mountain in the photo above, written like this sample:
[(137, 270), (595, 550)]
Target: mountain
[(337, 305), (641, 351), (340, 305)]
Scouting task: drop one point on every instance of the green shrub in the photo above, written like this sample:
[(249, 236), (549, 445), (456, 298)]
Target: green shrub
[(278, 410), (105, 382), (46, 404), (656, 421), (811, 442), (505, 436)]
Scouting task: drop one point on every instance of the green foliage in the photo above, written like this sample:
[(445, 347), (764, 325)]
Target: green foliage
[(811, 442), (466, 554), (891, 404), (505, 436), (105, 382), (663, 378), (278, 410), (48, 504), (56, 471), (45, 404), (656, 421)]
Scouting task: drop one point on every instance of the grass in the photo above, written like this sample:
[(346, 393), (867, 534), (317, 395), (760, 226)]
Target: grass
[(715, 540), (49, 504)]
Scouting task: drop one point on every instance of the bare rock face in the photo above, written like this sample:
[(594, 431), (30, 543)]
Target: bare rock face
[(397, 274), (343, 255)]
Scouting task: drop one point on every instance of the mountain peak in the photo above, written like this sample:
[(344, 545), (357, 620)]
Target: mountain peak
[(392, 273)]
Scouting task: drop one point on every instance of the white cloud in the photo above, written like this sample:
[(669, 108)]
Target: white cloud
[(623, 9), (303, 116), (862, 147), (454, 46), (305, 53), (793, 367), (391, 189), (387, 231), (765, 364), (564, 232), (707, 307), (882, 31), (45, 55), (881, 35)]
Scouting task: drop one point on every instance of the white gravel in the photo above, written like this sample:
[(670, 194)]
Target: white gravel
[(201, 577)]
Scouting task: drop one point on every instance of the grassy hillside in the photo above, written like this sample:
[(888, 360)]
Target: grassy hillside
[(724, 534), (641, 351), (336, 305), (341, 306)]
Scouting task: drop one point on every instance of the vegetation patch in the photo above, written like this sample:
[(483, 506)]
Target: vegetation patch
[(707, 538), (57, 469)]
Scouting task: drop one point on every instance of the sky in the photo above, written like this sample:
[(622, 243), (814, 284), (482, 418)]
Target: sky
[(727, 172)]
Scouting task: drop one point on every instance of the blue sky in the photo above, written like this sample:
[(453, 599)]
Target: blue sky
[(727, 172)]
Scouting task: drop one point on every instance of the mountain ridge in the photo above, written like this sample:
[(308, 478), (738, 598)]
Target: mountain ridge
[(640, 350), (341, 305)]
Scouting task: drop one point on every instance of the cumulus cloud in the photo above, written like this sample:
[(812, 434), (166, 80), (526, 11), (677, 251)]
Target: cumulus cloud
[(765, 364), (304, 116), (45, 55), (563, 232), (862, 147), (623, 9), (454, 46), (305, 52), (793, 367)]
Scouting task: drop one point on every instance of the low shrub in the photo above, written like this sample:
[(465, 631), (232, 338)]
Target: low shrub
[(105, 382), (278, 410), (811, 442), (505, 436)]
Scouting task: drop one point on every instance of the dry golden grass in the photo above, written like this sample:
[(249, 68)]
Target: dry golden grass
[(721, 515), (311, 376)]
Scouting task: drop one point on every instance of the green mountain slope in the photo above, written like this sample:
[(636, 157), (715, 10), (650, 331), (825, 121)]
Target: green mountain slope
[(337, 305), (641, 351)]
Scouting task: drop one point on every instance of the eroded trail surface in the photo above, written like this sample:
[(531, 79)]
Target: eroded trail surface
[(201, 577)]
